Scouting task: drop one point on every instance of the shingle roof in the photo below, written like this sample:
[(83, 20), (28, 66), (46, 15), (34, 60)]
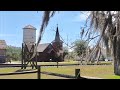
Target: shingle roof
[(42, 47), (3, 44), (29, 27)]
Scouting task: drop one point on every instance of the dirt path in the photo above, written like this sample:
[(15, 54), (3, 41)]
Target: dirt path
[(92, 77)]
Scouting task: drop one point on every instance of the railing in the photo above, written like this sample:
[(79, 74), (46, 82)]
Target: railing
[(19, 65), (38, 71)]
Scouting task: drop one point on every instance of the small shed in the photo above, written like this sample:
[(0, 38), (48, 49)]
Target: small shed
[(3, 48)]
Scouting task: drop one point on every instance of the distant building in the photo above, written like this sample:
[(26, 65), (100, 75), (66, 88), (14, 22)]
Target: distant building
[(58, 45), (46, 52), (51, 51), (3, 47)]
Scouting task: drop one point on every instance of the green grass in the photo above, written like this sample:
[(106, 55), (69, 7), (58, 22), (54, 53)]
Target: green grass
[(112, 77), (24, 76), (6, 70), (100, 71)]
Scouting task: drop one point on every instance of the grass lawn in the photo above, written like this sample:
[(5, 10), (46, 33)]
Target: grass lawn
[(24, 76), (100, 71)]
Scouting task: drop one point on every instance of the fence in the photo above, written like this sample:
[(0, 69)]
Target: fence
[(38, 71), (19, 65)]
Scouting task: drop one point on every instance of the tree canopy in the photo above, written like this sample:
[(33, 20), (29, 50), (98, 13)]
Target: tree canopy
[(80, 47), (13, 53)]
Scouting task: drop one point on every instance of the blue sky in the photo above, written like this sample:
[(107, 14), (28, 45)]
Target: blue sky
[(12, 22)]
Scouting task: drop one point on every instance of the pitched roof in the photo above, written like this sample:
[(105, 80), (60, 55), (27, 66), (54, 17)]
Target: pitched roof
[(29, 27), (3, 44), (42, 47)]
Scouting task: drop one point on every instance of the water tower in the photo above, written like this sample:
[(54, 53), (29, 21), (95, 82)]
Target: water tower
[(28, 45), (29, 34)]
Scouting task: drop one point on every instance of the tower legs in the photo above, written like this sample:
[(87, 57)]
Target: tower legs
[(26, 55)]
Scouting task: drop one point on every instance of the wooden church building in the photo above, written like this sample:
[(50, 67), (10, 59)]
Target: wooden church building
[(51, 52)]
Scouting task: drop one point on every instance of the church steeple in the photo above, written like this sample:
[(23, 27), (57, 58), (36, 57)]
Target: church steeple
[(58, 44), (57, 36)]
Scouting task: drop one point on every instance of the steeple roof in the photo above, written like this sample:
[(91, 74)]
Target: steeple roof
[(57, 36)]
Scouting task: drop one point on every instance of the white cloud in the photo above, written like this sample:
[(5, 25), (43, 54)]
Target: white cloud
[(81, 17)]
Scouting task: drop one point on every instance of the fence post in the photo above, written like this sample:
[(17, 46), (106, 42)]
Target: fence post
[(77, 73), (57, 64), (39, 72)]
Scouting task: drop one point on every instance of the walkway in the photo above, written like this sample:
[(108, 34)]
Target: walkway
[(92, 77)]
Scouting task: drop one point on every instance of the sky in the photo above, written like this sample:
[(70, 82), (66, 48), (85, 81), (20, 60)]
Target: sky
[(13, 22)]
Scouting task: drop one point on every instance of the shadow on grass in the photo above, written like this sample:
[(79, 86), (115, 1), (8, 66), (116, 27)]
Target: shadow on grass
[(22, 70)]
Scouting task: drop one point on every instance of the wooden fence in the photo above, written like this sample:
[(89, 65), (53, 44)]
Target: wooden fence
[(39, 72), (19, 65)]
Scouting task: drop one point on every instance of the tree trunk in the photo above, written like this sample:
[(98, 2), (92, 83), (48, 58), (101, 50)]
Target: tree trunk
[(114, 55), (117, 56), (117, 49)]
